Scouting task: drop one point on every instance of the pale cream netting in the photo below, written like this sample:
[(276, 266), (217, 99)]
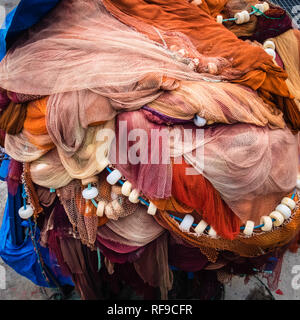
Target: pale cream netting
[(54, 169), (20, 149), (91, 158), (49, 172)]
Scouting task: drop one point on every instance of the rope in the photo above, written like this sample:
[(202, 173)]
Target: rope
[(255, 10), (32, 232), (24, 196), (32, 236), (272, 18), (99, 259), (177, 218)]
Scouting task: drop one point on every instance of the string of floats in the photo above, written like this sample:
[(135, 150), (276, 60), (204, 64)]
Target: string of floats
[(90, 193)]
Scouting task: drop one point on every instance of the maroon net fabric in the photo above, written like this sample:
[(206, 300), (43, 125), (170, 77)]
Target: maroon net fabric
[(13, 178)]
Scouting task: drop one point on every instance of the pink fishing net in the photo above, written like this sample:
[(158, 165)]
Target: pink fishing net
[(137, 229), (82, 46), (217, 102), (251, 167), (142, 159)]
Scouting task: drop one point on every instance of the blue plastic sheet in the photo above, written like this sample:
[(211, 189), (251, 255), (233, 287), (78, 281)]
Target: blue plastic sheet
[(23, 259), (23, 16), (17, 250), (4, 169)]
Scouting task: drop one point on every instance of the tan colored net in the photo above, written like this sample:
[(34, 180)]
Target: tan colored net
[(81, 214), (217, 102), (31, 192), (258, 244), (288, 47), (120, 206)]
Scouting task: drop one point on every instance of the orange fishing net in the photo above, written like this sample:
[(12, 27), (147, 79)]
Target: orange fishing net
[(197, 193), (12, 118), (81, 213), (35, 124), (252, 66)]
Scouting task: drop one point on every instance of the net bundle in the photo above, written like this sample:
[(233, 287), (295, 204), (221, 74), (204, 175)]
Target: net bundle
[(123, 121)]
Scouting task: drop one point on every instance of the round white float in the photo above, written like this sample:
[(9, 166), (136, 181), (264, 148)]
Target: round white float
[(201, 226), (90, 194), (26, 213), (199, 122), (284, 210), (267, 223), (114, 177), (152, 209), (186, 223), (278, 217), (249, 228), (126, 188)]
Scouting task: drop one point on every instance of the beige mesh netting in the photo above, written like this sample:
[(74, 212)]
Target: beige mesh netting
[(258, 244)]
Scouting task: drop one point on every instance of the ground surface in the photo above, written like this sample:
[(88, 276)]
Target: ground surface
[(19, 288)]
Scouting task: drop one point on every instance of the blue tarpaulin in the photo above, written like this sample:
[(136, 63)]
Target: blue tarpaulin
[(23, 259), (17, 250), (23, 16)]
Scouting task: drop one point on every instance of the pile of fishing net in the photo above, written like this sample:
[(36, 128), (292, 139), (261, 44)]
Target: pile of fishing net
[(156, 136)]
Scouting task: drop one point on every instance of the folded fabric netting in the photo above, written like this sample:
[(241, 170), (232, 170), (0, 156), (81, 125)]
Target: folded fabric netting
[(49, 172), (12, 118), (252, 168), (217, 103), (87, 48), (251, 65), (144, 161)]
